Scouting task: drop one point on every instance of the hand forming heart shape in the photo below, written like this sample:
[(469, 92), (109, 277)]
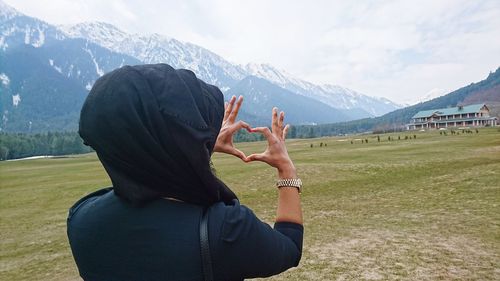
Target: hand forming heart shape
[(276, 153), (229, 127)]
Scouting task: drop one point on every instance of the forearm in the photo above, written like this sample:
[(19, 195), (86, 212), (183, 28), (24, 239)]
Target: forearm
[(289, 209)]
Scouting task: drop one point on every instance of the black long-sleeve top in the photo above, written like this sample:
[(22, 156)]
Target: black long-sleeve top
[(112, 240)]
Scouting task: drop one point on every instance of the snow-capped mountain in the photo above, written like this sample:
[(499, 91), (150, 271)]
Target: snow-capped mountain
[(261, 96), (333, 95), (210, 67), (46, 72), (7, 12), (46, 75), (77, 58), (432, 94), (156, 48), (17, 29)]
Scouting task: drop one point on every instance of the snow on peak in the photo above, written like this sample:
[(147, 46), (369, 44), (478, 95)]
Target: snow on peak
[(332, 95), (432, 94), (40, 40), (345, 91), (210, 67), (7, 12), (268, 72), (57, 68), (98, 69), (5, 79), (15, 25), (93, 28), (16, 99), (389, 102), (157, 48), (277, 76), (102, 33)]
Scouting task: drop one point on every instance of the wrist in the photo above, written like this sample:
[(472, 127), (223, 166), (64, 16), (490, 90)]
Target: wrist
[(287, 171)]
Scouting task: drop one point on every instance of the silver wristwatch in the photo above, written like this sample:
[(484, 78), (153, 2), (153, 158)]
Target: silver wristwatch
[(297, 183)]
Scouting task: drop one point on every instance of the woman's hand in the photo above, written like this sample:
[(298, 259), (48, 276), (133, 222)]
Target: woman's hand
[(229, 127), (276, 153)]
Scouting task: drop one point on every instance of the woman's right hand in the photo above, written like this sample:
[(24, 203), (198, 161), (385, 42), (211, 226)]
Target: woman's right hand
[(276, 154)]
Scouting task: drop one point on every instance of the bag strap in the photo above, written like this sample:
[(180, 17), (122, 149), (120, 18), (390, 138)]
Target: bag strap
[(206, 259)]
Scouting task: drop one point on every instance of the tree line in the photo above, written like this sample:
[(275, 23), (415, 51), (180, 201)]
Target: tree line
[(18, 145)]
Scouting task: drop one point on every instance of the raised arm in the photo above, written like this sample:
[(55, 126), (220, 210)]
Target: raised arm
[(246, 246), (276, 155)]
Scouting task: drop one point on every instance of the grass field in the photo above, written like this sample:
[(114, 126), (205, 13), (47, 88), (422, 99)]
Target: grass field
[(420, 209)]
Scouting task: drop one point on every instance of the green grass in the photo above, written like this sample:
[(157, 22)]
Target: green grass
[(424, 209)]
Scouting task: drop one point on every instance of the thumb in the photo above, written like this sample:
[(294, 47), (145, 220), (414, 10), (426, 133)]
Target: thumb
[(255, 157), (238, 153)]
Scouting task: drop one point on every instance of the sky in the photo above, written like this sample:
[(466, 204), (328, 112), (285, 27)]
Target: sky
[(401, 50)]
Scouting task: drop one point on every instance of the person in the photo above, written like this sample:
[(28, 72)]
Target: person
[(154, 129)]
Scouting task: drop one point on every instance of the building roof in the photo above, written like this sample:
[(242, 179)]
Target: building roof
[(473, 108)]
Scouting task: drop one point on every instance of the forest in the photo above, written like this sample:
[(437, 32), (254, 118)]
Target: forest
[(20, 145)]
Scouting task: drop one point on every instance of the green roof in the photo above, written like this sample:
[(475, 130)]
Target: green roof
[(473, 108)]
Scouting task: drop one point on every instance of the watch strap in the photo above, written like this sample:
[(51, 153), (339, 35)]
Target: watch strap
[(297, 183)]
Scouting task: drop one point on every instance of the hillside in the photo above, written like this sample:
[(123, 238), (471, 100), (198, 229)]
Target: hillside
[(43, 88), (261, 96), (487, 91), (473, 93)]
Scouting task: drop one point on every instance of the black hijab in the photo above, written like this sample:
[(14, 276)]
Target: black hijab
[(154, 129)]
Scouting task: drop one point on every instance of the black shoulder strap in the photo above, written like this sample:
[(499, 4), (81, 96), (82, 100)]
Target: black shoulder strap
[(206, 259)]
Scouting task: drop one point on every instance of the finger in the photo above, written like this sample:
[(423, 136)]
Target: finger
[(280, 123), (229, 108), (263, 130), (275, 120), (236, 109), (239, 125), (255, 157), (285, 131)]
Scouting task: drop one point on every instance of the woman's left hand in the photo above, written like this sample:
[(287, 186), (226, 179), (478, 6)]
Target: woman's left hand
[(229, 127)]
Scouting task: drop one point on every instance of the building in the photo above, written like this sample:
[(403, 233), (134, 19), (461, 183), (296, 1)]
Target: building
[(475, 115)]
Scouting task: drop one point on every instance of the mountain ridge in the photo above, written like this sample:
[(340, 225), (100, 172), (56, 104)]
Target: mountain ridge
[(187, 55), (82, 53), (261, 96), (333, 95)]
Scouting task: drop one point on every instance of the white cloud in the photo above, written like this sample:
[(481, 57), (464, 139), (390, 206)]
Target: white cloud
[(397, 49)]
